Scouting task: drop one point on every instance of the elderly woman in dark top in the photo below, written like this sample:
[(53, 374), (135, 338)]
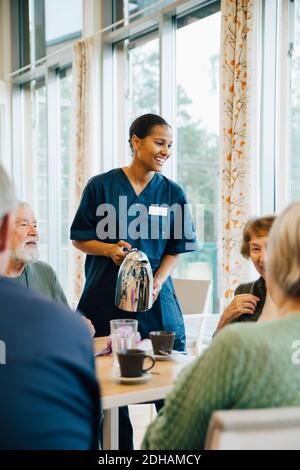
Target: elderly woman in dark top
[(252, 301)]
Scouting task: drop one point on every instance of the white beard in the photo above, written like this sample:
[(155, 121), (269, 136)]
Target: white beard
[(26, 254)]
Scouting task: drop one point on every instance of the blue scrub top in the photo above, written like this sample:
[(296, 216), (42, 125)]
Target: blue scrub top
[(124, 206)]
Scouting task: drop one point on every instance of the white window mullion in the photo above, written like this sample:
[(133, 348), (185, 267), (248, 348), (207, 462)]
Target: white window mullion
[(17, 163), (268, 117), (25, 139), (109, 158), (167, 84), (122, 96), (53, 179), (282, 165)]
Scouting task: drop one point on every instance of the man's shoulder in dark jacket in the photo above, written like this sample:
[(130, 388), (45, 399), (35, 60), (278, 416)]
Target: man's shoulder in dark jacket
[(49, 397)]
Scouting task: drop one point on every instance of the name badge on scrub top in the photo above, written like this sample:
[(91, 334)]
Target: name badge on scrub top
[(162, 211)]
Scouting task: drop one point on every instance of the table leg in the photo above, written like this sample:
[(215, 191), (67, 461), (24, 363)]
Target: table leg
[(111, 429)]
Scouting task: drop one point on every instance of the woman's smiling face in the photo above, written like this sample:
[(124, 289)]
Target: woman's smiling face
[(153, 150), (258, 248)]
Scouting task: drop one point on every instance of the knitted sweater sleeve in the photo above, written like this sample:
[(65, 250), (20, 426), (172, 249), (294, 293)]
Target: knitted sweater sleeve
[(212, 382)]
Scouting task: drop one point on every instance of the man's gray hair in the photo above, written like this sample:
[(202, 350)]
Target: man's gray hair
[(8, 200)]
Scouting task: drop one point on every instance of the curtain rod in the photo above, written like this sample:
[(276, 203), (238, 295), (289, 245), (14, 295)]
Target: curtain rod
[(58, 51)]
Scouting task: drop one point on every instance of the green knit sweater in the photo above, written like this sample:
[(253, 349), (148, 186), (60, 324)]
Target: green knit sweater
[(247, 366)]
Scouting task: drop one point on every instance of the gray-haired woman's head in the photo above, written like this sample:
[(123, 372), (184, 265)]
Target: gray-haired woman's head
[(283, 254)]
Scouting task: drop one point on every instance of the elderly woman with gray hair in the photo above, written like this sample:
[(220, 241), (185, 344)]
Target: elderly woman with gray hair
[(247, 366), (252, 301)]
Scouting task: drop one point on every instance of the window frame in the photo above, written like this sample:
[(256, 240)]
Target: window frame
[(292, 16), (275, 135)]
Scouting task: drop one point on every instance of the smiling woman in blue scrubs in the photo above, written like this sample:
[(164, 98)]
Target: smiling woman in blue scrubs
[(114, 207), (141, 186)]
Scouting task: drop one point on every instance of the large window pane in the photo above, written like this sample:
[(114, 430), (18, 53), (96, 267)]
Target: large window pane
[(126, 8), (295, 111), (42, 25), (63, 20), (143, 96), (197, 134)]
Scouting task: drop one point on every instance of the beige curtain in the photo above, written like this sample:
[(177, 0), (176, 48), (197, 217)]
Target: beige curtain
[(236, 134), (85, 126)]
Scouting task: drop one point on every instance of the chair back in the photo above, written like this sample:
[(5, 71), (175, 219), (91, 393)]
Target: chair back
[(259, 429), (195, 299), (194, 295)]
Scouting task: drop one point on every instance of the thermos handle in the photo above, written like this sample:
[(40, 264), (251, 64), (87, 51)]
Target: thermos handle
[(126, 251)]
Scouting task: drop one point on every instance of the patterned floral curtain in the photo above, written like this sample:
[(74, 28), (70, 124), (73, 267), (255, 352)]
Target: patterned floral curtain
[(84, 97), (236, 135)]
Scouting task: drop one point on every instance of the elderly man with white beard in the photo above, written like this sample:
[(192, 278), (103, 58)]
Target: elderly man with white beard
[(23, 265)]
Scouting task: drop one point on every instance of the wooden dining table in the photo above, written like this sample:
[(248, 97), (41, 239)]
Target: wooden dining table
[(115, 394)]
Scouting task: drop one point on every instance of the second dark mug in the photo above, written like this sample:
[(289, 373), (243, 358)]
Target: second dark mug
[(131, 362), (162, 342)]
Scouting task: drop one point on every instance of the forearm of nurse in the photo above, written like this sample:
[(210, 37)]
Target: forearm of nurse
[(166, 267), (98, 248)]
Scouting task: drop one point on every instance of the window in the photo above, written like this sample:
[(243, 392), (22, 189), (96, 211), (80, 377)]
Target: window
[(295, 109), (133, 6), (40, 26), (46, 163), (138, 66), (143, 96), (41, 114), (126, 8), (198, 132), (280, 105), (60, 25), (144, 61), (138, 57)]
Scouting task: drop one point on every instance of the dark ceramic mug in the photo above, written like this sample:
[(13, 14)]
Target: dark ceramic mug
[(131, 362), (162, 342)]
